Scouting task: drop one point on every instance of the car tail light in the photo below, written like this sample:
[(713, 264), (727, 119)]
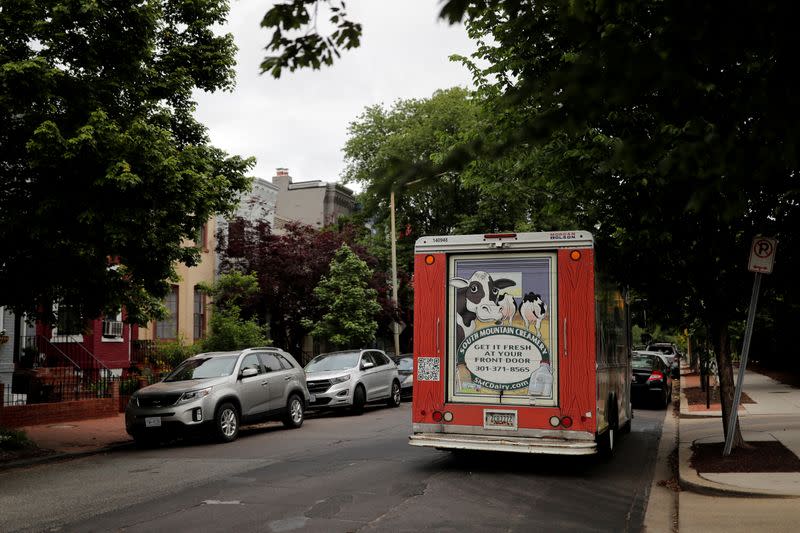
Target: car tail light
[(656, 376)]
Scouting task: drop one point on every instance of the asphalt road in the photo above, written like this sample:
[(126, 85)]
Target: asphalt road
[(338, 473)]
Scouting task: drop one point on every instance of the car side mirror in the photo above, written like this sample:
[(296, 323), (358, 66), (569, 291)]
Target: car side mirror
[(248, 372), (366, 364)]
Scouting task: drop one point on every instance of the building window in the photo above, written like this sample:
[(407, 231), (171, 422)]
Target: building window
[(69, 324), (112, 328), (236, 235), (168, 328), (199, 314), (201, 239)]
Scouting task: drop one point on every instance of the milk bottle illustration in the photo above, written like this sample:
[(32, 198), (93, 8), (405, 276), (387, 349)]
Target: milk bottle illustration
[(541, 382)]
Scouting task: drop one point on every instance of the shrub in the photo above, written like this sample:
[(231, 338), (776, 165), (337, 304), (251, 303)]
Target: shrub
[(12, 439), (170, 354), (230, 332)]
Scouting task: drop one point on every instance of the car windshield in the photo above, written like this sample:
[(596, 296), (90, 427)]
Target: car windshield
[(203, 368), (405, 364), (642, 361), (333, 361)]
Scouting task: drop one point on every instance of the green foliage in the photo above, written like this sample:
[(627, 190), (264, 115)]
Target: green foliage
[(12, 439), (169, 354), (347, 302), (101, 160), (229, 331), (232, 289), (308, 49), (229, 328)]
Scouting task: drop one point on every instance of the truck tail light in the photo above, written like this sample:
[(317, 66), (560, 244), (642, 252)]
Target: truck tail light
[(437, 416), (656, 376), (564, 421)]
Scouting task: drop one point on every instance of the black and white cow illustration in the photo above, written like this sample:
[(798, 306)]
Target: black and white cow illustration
[(508, 308), (477, 299), (533, 310)]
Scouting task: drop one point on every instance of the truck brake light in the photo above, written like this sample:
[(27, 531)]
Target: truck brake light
[(499, 235)]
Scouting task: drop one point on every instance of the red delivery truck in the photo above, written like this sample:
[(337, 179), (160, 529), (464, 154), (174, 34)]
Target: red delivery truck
[(520, 345)]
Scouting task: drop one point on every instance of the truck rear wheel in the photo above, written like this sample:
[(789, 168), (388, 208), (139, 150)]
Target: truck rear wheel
[(606, 443)]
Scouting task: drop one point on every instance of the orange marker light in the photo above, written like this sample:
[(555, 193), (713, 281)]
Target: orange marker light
[(575, 255), (429, 259)]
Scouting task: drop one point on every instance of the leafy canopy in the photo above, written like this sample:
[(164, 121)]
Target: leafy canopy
[(101, 161), (348, 304)]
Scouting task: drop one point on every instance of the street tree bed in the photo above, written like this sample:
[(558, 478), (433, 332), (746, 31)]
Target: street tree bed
[(697, 396), (756, 456)]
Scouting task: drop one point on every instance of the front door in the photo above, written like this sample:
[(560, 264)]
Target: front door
[(277, 379), (254, 389)]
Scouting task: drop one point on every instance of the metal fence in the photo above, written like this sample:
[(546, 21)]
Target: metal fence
[(55, 372)]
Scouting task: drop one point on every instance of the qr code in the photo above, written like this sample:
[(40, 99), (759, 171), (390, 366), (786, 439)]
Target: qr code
[(428, 369)]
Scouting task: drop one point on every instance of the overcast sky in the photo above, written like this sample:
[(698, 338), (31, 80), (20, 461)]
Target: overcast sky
[(300, 120)]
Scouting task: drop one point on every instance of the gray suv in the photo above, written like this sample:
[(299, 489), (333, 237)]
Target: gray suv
[(218, 392), (353, 378)]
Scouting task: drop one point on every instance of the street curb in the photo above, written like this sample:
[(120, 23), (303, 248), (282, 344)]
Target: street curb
[(691, 481), (64, 456)]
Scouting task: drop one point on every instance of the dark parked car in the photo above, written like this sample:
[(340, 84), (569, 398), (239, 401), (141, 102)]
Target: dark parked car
[(405, 367), (651, 380)]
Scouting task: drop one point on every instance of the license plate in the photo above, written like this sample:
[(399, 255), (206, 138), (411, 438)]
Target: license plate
[(152, 422), (312, 398), (506, 420)]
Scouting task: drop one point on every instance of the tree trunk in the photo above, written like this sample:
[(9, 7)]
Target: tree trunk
[(726, 384)]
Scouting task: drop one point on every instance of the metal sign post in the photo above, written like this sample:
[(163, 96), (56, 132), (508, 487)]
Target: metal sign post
[(762, 257)]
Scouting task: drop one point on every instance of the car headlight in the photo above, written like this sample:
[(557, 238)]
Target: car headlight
[(340, 379), (194, 395)]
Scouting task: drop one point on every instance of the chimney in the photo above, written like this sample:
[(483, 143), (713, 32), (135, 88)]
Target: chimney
[(282, 179)]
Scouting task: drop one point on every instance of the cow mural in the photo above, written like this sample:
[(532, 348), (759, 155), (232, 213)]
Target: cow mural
[(533, 310), (477, 299)]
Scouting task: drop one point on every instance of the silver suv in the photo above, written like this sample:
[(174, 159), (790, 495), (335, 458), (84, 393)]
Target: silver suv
[(219, 391), (353, 378)]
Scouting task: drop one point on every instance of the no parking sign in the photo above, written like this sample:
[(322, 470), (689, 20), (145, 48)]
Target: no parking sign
[(762, 255)]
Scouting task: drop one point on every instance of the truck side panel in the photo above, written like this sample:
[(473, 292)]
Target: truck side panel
[(576, 326), (429, 335)]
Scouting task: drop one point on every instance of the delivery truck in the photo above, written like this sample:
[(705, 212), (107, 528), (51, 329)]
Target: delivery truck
[(521, 344)]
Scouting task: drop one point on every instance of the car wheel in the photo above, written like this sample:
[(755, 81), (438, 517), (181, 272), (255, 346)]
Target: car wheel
[(226, 423), (295, 413), (394, 398), (359, 399)]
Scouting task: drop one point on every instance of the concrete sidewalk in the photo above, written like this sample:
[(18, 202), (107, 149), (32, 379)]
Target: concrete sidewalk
[(715, 502), (71, 439)]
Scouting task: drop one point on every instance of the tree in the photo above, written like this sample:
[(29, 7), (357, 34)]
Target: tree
[(230, 328), (106, 175), (288, 267), (347, 303), (672, 127)]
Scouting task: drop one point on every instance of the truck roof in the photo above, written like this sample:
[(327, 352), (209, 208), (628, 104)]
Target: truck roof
[(510, 240)]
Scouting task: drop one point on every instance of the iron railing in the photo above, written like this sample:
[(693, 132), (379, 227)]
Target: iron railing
[(56, 371)]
